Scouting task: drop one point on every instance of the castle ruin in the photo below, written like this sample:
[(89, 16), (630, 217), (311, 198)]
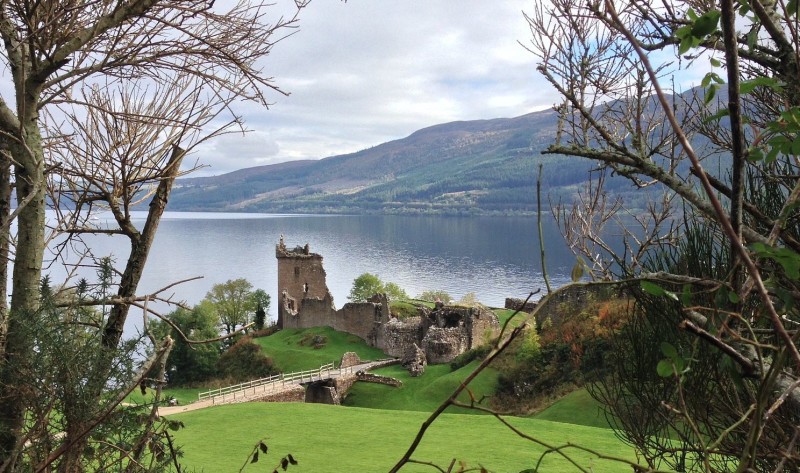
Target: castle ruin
[(442, 333)]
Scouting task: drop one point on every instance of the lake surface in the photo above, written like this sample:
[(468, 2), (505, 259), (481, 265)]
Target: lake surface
[(494, 257)]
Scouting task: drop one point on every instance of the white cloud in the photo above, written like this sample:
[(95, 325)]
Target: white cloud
[(364, 72)]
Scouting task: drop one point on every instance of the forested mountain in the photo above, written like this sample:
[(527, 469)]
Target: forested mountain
[(465, 167)]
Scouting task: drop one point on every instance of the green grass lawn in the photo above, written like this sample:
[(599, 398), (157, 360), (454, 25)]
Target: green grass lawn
[(423, 393), (347, 439), (293, 350), (577, 407), (504, 314), (183, 395)]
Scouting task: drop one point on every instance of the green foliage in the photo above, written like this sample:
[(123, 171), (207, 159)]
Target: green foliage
[(191, 363), (470, 300), (434, 295), (364, 287), (244, 361), (565, 354), (477, 353), (236, 303), (394, 292), (697, 29), (529, 348), (262, 302), (368, 284)]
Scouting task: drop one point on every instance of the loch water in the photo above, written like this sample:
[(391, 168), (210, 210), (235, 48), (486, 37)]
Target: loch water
[(493, 257)]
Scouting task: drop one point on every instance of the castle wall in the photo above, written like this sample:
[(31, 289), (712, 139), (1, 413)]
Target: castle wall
[(399, 336), (302, 277), (483, 327), (315, 313), (305, 302), (295, 394), (358, 318), (441, 345)]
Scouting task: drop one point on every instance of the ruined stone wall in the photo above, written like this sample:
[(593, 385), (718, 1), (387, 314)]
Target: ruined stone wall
[(570, 300), (378, 379), (344, 383), (315, 313), (399, 336), (301, 275), (349, 359), (483, 326), (358, 318), (295, 394), (520, 304), (441, 345)]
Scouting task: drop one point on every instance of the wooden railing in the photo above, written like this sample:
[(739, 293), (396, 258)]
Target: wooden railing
[(278, 382), (271, 383)]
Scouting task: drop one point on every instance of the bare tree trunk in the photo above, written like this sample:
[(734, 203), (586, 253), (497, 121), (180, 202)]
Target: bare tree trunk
[(5, 211), (76, 435), (25, 285), (140, 248)]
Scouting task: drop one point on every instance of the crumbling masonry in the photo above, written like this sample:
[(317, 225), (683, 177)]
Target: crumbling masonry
[(443, 333)]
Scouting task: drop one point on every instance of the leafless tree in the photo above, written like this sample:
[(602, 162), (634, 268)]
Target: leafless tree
[(104, 99)]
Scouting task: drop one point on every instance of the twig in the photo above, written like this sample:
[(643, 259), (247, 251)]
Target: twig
[(747, 365), (722, 217), (163, 351), (541, 231)]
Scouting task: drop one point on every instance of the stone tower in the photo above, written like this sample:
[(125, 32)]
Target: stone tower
[(301, 278)]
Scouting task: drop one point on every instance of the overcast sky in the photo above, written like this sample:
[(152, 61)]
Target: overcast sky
[(369, 71)]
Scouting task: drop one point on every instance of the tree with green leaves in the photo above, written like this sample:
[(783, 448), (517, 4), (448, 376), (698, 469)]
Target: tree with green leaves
[(368, 284), (364, 287), (190, 361), (435, 295), (236, 303), (262, 302), (706, 370)]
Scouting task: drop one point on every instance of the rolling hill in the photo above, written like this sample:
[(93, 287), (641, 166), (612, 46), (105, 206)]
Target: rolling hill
[(465, 167)]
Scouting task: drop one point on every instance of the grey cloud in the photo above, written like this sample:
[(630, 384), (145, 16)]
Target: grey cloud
[(364, 72)]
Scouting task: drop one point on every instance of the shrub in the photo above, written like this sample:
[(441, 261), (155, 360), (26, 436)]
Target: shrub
[(470, 300), (433, 295), (367, 285), (477, 353), (244, 360)]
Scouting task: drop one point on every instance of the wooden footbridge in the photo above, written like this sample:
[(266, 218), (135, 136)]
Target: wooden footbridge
[(272, 386)]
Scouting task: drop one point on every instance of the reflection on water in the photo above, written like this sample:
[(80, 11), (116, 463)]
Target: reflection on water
[(493, 257)]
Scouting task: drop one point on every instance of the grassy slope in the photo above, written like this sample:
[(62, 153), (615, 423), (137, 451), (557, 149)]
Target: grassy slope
[(577, 407), (424, 393), (330, 438), (286, 351)]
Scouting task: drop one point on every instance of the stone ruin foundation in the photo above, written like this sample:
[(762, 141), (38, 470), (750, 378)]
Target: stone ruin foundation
[(441, 334)]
